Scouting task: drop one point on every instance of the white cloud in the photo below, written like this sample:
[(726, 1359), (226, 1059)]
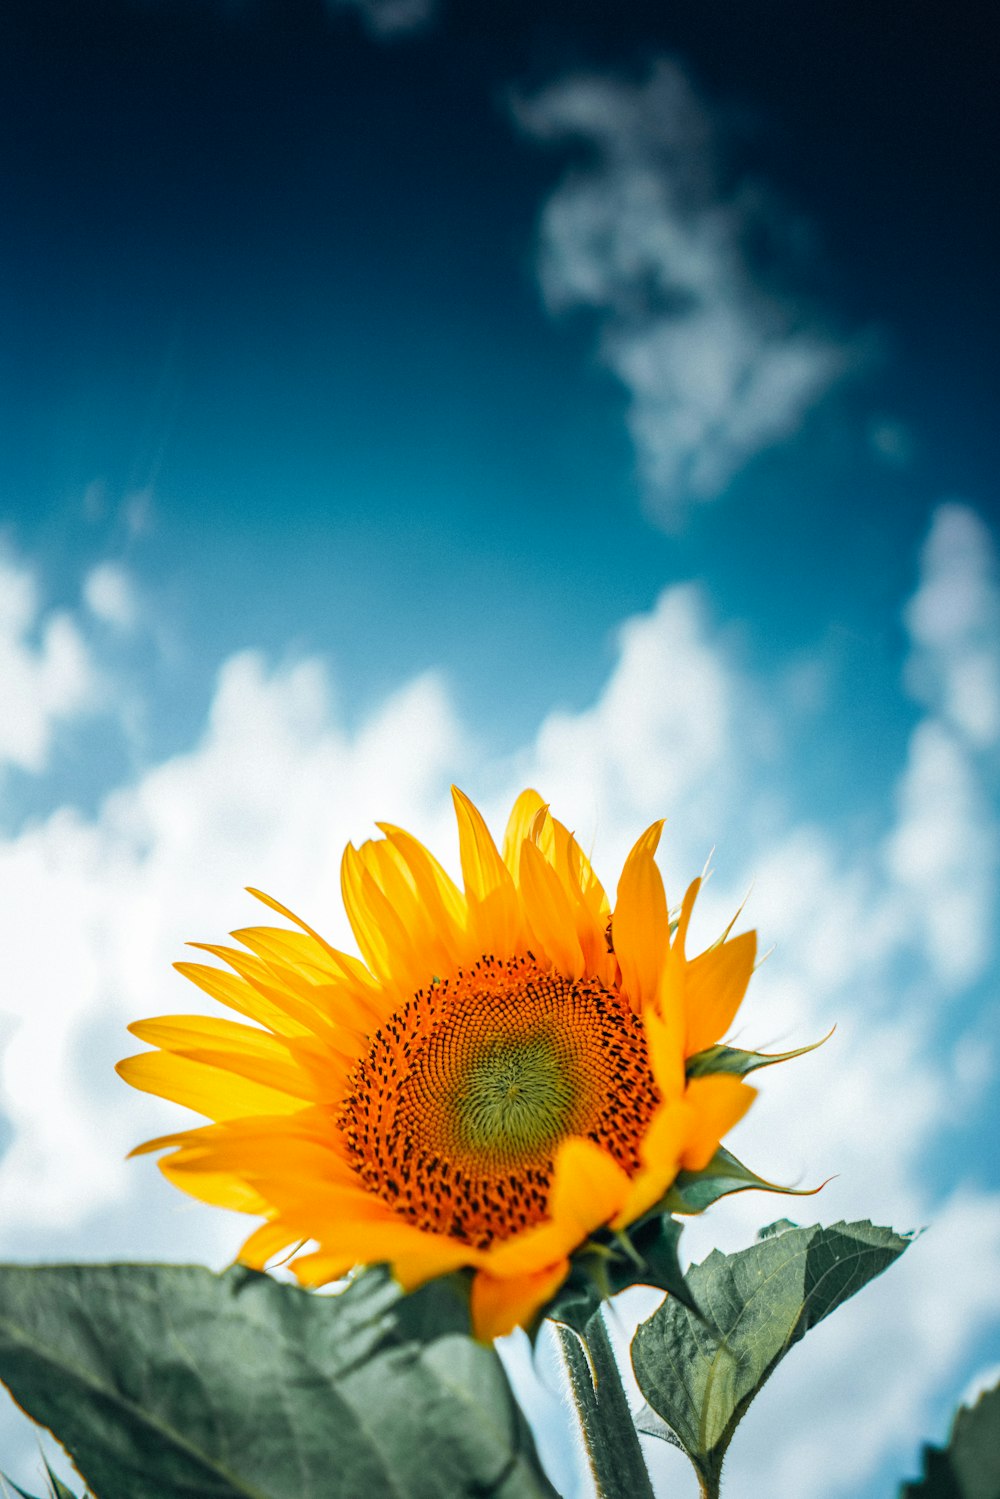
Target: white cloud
[(46, 673), (943, 854), (660, 733), (96, 909), (720, 361), (109, 594), (954, 621)]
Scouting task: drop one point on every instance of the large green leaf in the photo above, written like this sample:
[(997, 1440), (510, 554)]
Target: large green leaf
[(168, 1382), (699, 1374), (969, 1467)]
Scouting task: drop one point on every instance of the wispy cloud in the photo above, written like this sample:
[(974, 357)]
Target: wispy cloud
[(689, 276), (109, 594), (46, 671), (387, 19)]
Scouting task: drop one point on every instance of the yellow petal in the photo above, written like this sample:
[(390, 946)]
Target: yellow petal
[(243, 997), (591, 911), (385, 944), (660, 1152), (319, 1269), (264, 1243), (494, 908), (641, 927), (218, 1190), (531, 1249), (340, 989), (269, 1160), (445, 908), (357, 1240), (716, 1102), (664, 1027), (275, 905), (483, 870), (498, 1305), (242, 1049), (588, 1188), (209, 1091), (687, 906), (714, 986), (552, 927), (518, 830), (284, 1010), (433, 917), (413, 1268)]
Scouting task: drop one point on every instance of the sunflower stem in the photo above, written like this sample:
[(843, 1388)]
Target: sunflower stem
[(609, 1433)]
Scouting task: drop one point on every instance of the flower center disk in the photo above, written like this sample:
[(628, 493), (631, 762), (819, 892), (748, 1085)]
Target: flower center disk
[(455, 1113)]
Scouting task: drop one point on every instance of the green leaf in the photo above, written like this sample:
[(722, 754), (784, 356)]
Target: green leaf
[(731, 1059), (969, 1467), (166, 1381), (700, 1374)]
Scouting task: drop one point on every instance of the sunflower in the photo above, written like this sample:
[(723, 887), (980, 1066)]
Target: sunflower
[(513, 1074)]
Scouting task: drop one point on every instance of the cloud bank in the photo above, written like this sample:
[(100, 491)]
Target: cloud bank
[(892, 937), (687, 274)]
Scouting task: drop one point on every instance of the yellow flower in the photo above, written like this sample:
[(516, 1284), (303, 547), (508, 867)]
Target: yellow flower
[(501, 1078)]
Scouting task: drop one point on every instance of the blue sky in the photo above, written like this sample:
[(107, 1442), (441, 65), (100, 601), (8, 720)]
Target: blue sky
[(393, 394)]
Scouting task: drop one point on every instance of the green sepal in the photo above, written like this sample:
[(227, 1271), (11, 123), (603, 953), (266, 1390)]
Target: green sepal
[(694, 1191), (15, 1488), (969, 1467), (657, 1241), (738, 1063), (60, 1490), (645, 1255)]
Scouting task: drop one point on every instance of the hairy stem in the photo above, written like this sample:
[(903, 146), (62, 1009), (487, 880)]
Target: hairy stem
[(609, 1433)]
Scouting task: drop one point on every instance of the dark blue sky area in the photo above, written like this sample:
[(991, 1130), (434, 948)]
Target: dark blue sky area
[(282, 277)]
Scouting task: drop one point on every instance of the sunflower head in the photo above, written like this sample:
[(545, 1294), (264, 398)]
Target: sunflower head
[(514, 1080)]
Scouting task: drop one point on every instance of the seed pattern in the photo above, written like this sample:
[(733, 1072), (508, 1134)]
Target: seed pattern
[(455, 1112)]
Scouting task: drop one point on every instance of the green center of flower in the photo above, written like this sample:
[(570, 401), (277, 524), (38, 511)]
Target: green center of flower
[(456, 1112), (516, 1099)]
